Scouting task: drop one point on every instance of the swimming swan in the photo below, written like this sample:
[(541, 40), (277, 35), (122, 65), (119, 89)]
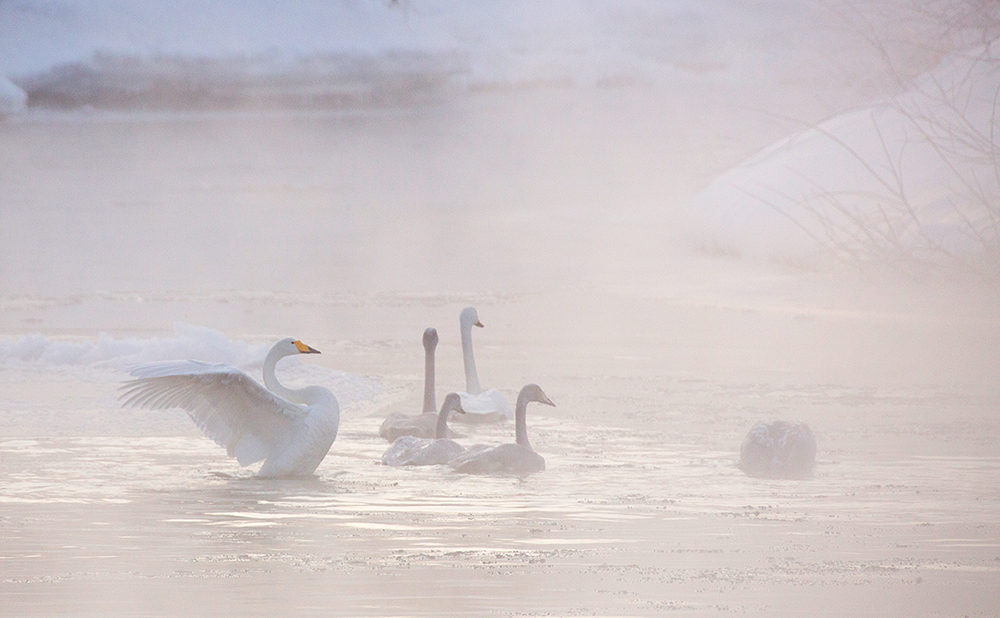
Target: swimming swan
[(780, 450), (423, 425), (414, 451), (290, 429), (480, 407), (517, 458)]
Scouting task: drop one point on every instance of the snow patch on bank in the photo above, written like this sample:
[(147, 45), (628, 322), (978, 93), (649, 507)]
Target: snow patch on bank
[(339, 53)]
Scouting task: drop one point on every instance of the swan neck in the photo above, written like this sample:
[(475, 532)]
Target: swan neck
[(271, 381), (520, 422), (429, 404), (441, 429), (471, 379)]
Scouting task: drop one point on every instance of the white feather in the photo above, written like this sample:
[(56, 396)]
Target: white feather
[(488, 406)]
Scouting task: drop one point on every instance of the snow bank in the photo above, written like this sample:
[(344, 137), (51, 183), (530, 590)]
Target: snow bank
[(200, 54), (914, 177), (334, 53)]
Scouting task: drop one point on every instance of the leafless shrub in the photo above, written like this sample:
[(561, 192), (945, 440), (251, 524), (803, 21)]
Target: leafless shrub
[(941, 112)]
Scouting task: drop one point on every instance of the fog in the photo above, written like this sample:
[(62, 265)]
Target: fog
[(628, 196)]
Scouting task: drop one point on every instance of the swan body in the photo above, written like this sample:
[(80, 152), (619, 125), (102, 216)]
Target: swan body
[(416, 451), (424, 425), (398, 425), (778, 450), (517, 459), (480, 406), (291, 430)]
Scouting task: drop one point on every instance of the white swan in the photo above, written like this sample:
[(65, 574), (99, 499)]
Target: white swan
[(518, 458), (414, 451), (778, 450), (480, 407), (422, 425), (290, 429)]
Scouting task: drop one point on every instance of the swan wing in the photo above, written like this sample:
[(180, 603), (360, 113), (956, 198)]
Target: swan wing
[(229, 406), (491, 404), (401, 451), (413, 451)]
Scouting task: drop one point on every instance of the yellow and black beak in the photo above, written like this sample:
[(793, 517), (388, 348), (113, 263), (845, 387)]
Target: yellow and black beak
[(478, 323), (304, 349)]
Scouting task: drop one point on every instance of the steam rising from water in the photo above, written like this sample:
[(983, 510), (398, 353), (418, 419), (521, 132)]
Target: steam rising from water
[(538, 163)]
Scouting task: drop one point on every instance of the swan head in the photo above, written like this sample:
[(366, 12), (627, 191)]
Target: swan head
[(289, 346), (533, 392), (430, 338), (469, 318), (285, 347), (451, 402)]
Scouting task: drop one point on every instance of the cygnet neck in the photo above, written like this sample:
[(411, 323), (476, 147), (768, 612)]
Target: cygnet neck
[(451, 402), (430, 343), (530, 392), (520, 422)]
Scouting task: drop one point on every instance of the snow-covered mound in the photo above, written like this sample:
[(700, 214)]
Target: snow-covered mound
[(107, 354), (914, 177)]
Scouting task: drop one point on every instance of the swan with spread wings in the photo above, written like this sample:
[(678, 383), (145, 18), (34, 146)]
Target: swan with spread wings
[(291, 430)]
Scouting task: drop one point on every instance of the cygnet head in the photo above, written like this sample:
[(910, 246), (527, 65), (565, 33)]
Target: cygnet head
[(430, 338), (452, 402), (533, 392), (469, 317)]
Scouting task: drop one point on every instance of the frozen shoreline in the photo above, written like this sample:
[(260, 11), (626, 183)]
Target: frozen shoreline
[(84, 49)]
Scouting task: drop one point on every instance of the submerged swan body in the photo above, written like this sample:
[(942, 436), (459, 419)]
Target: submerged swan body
[(414, 451), (422, 425), (480, 406), (291, 430), (518, 459), (778, 450)]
